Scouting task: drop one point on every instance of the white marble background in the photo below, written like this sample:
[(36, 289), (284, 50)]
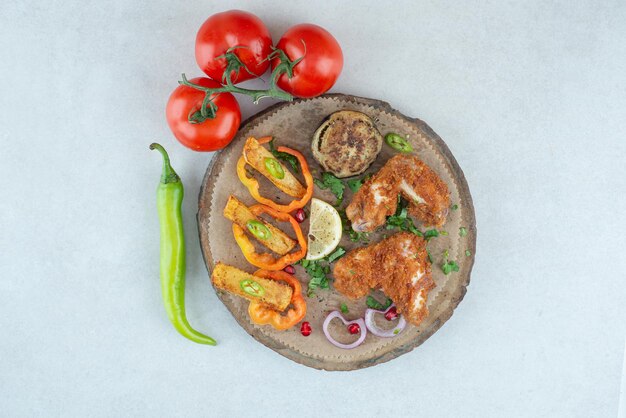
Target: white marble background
[(530, 97)]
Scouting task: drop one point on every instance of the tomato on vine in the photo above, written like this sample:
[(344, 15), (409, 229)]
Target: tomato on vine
[(202, 122), (240, 33), (318, 60)]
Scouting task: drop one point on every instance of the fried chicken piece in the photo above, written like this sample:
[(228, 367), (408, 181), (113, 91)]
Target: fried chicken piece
[(427, 194), (398, 265)]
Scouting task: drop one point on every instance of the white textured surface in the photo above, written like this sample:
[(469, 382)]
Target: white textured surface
[(530, 97)]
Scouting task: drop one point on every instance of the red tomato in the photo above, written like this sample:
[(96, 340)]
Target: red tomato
[(210, 135), (321, 65), (228, 29)]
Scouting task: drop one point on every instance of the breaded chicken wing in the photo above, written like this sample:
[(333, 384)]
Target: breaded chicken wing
[(398, 265), (403, 174)]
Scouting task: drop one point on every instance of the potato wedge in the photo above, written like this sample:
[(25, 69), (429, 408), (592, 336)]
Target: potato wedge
[(274, 294), (278, 241), (255, 155)]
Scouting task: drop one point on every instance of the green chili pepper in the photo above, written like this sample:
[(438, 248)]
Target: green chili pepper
[(398, 143), (169, 200), (252, 288), (274, 167), (259, 230)]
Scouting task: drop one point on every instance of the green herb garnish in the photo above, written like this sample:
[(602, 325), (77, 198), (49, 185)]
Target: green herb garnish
[(455, 206), (372, 303), (359, 236), (448, 266), (338, 253), (315, 270), (462, 231), (354, 185), (431, 233), (443, 233), (344, 308), (468, 253), (401, 220), (319, 269), (430, 257), (288, 158), (332, 183)]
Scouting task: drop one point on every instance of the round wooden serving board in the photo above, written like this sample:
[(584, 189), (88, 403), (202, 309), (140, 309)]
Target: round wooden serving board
[(293, 124)]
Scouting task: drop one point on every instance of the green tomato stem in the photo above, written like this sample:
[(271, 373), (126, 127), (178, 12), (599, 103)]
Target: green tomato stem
[(208, 110)]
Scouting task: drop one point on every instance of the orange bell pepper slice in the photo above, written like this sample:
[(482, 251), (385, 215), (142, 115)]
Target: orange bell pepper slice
[(253, 185), (267, 261), (261, 314)]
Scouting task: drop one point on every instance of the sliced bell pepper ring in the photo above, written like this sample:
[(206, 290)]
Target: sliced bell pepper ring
[(261, 314), (267, 261), (252, 184)]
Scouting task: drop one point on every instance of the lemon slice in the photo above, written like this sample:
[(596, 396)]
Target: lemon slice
[(324, 230)]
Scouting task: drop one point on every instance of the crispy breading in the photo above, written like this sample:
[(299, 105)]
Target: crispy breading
[(427, 194), (398, 265), (274, 294), (278, 241), (255, 155)]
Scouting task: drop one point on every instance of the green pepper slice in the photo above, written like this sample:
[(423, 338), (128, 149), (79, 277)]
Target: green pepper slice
[(259, 230), (252, 288), (274, 167), (398, 143)]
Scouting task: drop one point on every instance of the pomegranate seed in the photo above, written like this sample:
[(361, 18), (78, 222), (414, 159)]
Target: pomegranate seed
[(305, 329), (354, 328), (290, 269), (391, 314), (300, 215)]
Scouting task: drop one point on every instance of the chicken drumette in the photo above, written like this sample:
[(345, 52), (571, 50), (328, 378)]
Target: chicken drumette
[(398, 265), (402, 174)]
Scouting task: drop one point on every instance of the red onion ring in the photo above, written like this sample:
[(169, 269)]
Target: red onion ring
[(337, 314), (385, 333)]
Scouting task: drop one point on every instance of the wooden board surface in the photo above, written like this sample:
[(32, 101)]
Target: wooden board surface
[(292, 124)]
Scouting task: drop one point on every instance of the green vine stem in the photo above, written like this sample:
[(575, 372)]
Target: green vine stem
[(208, 109)]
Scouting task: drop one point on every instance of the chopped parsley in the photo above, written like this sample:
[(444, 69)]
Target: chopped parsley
[(344, 308), (288, 158), (430, 257), (372, 303), (401, 220), (317, 272), (337, 254), (468, 253), (448, 266), (332, 183), (319, 269), (359, 236), (462, 231), (355, 184), (455, 206), (443, 233), (431, 233)]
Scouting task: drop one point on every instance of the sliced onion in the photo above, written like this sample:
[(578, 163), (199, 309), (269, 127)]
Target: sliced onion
[(385, 333), (337, 314)]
